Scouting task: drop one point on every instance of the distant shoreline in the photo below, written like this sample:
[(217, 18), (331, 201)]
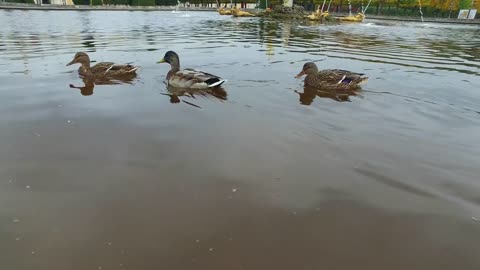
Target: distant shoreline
[(21, 6), (46, 7)]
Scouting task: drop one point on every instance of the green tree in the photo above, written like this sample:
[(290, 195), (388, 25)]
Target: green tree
[(143, 2), (464, 4)]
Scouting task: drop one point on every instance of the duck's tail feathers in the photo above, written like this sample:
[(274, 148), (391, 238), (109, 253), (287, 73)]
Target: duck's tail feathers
[(363, 80), (217, 83)]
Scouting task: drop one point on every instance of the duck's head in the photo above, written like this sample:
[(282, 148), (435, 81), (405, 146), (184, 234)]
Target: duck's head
[(308, 68), (170, 57), (80, 58)]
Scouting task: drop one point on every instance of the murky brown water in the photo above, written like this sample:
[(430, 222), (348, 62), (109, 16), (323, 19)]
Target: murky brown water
[(266, 176)]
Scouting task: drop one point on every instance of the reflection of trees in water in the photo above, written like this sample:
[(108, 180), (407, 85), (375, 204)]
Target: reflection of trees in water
[(85, 21), (26, 45), (88, 41), (451, 48), (149, 35), (358, 40), (87, 36), (286, 31), (267, 30), (274, 33), (309, 94)]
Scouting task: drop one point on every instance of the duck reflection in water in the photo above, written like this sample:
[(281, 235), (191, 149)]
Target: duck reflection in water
[(87, 89), (89, 83), (309, 94), (175, 93)]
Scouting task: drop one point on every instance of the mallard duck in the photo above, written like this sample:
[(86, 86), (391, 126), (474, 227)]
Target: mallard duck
[(103, 69), (330, 78), (188, 78)]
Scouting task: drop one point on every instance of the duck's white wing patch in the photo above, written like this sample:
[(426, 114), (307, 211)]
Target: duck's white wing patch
[(220, 82), (191, 78), (114, 67), (341, 80), (108, 69)]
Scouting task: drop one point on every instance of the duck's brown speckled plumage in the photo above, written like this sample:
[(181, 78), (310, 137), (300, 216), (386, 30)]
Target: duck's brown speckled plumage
[(330, 78), (102, 70)]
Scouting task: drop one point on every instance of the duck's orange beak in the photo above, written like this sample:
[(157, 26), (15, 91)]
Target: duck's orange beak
[(299, 75), (71, 62)]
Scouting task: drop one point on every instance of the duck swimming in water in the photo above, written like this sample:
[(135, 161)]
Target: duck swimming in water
[(102, 70), (331, 79), (188, 78)]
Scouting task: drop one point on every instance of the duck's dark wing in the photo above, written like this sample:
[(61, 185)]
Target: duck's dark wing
[(110, 68), (192, 78), (101, 67), (338, 76)]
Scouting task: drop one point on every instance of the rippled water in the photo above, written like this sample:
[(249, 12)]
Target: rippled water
[(262, 176)]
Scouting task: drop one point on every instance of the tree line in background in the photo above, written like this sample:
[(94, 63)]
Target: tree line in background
[(430, 8)]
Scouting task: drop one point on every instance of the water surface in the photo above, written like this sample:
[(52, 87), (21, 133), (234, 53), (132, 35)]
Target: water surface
[(262, 176)]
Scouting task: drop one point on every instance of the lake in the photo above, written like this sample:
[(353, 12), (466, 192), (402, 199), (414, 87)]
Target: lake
[(265, 174)]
